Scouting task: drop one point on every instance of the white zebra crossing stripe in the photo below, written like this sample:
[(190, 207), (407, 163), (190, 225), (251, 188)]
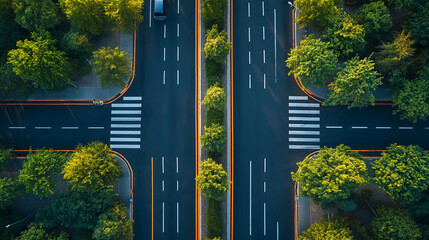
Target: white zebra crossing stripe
[(314, 147), (125, 132), (312, 105), (304, 139), (122, 112), (304, 132), (126, 105), (124, 139), (314, 119), (129, 119), (127, 98), (125, 126), (304, 111), (304, 125), (124, 146), (298, 97)]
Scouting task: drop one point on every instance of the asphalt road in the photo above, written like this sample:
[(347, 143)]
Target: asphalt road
[(154, 119)]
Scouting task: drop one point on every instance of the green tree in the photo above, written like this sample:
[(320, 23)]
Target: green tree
[(394, 223), (41, 171), (398, 4), (10, 33), (76, 44), (6, 9), (9, 190), (38, 232), (77, 209), (124, 12), (85, 15), (354, 83), (5, 155), (39, 62), (114, 224), (212, 180), (214, 138), (345, 35), (217, 46), (315, 11), (331, 175), (12, 86), (36, 15), (327, 229), (215, 98), (375, 18), (402, 172), (213, 13), (91, 167), (419, 22), (412, 99), (313, 61), (112, 67), (396, 55)]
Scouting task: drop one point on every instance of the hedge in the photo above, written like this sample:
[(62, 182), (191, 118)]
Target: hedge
[(214, 218)]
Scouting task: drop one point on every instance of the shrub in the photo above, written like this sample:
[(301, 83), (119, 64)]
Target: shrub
[(213, 69), (76, 44), (214, 138), (212, 180), (215, 98), (214, 81), (217, 46), (214, 13), (375, 18), (214, 218), (214, 116)]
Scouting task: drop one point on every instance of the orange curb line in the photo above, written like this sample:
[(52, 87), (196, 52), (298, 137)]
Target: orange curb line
[(231, 93), (197, 135)]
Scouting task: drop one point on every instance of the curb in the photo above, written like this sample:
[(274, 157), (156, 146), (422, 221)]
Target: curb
[(379, 102), (198, 226)]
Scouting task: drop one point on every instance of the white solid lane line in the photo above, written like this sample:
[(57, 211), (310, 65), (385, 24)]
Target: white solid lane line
[(178, 30), (265, 165), (177, 164), (304, 139), (16, 127), (150, 14), (250, 199), (263, 32), (126, 105), (125, 139), (298, 98), (117, 119), (163, 77), (125, 132), (265, 186), (405, 128), (129, 98), (124, 146), (304, 111), (177, 227), (162, 217), (43, 128), (248, 33), (125, 125), (265, 81), (165, 31), (263, 54), (162, 159), (178, 6), (265, 219), (250, 80), (359, 127), (275, 46), (337, 127), (95, 128), (70, 128), (164, 54), (248, 9), (304, 132), (177, 77), (178, 54), (315, 105), (304, 125), (311, 147), (383, 127), (122, 112), (263, 9), (250, 61), (304, 119), (277, 230)]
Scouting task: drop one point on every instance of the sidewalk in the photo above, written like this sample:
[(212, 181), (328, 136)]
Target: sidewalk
[(89, 87), (321, 93), (124, 187)]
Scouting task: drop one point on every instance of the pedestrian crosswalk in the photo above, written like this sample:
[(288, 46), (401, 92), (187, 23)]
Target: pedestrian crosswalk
[(125, 129), (303, 127)]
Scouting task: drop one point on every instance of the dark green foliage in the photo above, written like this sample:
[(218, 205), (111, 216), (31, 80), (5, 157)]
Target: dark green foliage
[(77, 210), (425, 231), (421, 208), (6, 9), (395, 223), (79, 67), (5, 155), (213, 13), (10, 33), (76, 44), (10, 189), (319, 12), (38, 232), (8, 216), (217, 46), (214, 72), (347, 205), (85, 16), (214, 81), (12, 86), (114, 224), (214, 218), (398, 4), (214, 116), (361, 230), (375, 18), (419, 22), (36, 15), (215, 156), (327, 229)]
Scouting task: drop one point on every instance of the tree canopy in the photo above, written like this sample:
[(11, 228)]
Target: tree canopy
[(10, 33), (398, 4), (38, 232), (76, 44), (313, 61), (217, 46), (114, 224), (112, 67), (315, 11), (212, 180), (419, 22), (332, 175), (327, 229), (375, 18), (214, 138), (5, 155), (38, 61), (85, 15), (12, 86), (124, 12), (213, 13), (394, 223), (41, 171), (91, 167), (36, 15), (402, 172), (354, 83), (412, 99), (215, 98), (9, 190)]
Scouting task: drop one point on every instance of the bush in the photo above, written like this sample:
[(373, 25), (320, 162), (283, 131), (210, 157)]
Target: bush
[(214, 81), (214, 116), (214, 72), (214, 218), (214, 13), (217, 46), (361, 230), (347, 205), (214, 138), (215, 98), (212, 180), (76, 44)]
